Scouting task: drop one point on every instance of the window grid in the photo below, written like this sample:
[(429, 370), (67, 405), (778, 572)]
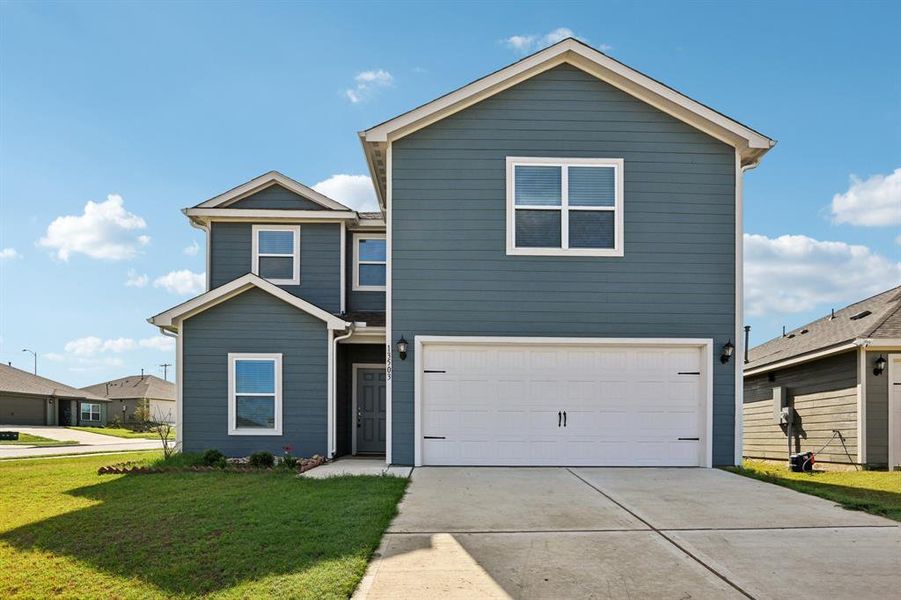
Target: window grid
[(564, 207), (91, 410), (294, 255)]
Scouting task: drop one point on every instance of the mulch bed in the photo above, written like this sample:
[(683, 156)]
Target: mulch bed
[(135, 469)]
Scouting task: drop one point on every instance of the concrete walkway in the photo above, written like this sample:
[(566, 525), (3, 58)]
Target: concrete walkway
[(357, 465), (88, 443), (626, 533)]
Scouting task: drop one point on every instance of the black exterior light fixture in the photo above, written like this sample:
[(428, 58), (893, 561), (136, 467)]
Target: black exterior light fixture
[(402, 348), (879, 365), (728, 350)]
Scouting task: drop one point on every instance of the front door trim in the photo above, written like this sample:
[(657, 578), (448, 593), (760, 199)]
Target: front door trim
[(353, 403), (704, 344)]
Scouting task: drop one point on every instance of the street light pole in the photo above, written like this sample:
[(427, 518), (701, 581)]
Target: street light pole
[(35, 359)]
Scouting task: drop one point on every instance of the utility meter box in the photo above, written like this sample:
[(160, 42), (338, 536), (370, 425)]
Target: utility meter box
[(780, 402)]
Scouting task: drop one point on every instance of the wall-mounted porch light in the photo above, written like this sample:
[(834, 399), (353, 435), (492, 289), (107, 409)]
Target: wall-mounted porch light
[(879, 365), (402, 348), (728, 350)]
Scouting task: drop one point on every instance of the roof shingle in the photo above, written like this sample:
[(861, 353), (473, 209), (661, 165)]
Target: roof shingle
[(17, 381)]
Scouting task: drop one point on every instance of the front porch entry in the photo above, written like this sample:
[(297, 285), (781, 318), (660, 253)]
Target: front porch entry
[(369, 408)]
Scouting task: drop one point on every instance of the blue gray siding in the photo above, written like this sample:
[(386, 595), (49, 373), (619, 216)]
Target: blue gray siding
[(255, 322), (451, 275), (275, 196), (360, 301), (320, 260)]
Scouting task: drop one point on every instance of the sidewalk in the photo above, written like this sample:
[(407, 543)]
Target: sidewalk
[(88, 443)]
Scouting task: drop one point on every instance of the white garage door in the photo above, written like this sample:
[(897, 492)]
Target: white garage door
[(562, 404)]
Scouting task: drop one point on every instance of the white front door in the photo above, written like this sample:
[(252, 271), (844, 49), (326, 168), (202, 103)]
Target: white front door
[(574, 403)]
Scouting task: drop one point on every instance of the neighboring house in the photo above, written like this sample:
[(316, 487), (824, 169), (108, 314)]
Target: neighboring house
[(553, 279), (128, 393), (27, 399), (841, 372)]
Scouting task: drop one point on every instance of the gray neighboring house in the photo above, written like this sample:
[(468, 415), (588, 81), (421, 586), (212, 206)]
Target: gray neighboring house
[(128, 393), (27, 399), (553, 278), (841, 372)]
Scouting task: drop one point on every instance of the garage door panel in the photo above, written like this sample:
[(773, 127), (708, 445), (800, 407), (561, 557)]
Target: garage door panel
[(499, 405)]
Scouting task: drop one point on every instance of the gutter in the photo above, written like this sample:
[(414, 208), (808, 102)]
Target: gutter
[(333, 387)]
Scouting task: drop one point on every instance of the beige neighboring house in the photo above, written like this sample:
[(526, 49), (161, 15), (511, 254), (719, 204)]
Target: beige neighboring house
[(27, 399), (128, 393)]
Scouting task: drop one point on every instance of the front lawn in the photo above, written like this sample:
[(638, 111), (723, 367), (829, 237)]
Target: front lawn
[(26, 439), (876, 492), (121, 432), (67, 532)]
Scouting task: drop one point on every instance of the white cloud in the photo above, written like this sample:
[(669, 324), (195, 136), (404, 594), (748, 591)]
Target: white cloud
[(795, 273), (355, 191), (160, 342), (91, 346), (104, 230), (193, 249), (532, 42), (873, 202), (367, 84), (181, 282), (136, 279), (9, 254)]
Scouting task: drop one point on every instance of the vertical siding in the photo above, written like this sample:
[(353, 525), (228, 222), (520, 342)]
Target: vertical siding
[(877, 413), (451, 275), (320, 260), (275, 196), (359, 301), (255, 322)]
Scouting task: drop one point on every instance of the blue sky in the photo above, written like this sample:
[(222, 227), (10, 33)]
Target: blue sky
[(146, 108)]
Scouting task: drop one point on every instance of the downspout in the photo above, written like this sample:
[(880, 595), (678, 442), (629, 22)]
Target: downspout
[(333, 388)]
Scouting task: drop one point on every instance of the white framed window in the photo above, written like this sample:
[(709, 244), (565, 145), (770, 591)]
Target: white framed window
[(564, 206), (276, 253), (254, 394), (90, 412), (370, 262)]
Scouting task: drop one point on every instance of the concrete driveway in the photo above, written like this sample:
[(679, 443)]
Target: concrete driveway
[(626, 533), (87, 442)]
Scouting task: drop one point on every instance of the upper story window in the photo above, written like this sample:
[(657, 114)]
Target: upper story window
[(565, 206), (254, 394), (276, 253), (370, 255)]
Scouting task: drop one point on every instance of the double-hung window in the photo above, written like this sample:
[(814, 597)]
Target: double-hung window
[(254, 394), (369, 262), (276, 253), (90, 412), (565, 206)]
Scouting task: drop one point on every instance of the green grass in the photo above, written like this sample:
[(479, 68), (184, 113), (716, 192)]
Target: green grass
[(66, 532), (121, 432), (875, 492), (26, 439)]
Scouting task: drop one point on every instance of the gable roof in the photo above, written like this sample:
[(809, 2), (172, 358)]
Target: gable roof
[(170, 319), (877, 317), (18, 381), (134, 386), (264, 181), (751, 144)]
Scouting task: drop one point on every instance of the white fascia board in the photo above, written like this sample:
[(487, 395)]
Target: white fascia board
[(266, 180), (879, 343), (268, 214), (749, 142), (171, 318)]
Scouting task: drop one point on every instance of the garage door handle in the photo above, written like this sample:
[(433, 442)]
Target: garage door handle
[(689, 439), (559, 416), (564, 418)]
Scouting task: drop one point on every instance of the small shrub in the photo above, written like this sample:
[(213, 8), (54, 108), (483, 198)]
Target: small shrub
[(261, 460), (213, 458)]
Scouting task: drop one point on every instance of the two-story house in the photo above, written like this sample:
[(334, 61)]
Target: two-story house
[(554, 279)]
